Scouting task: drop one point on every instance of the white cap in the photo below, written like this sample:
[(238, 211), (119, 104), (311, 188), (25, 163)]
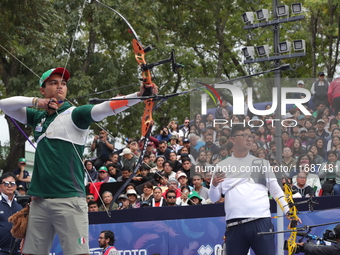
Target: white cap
[(125, 151), (300, 82)]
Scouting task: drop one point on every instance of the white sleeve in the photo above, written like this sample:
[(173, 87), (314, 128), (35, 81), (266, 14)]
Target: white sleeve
[(215, 193), (15, 107), (312, 90), (277, 193), (102, 110)]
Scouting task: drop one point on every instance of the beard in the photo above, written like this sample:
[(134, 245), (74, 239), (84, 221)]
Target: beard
[(303, 138)]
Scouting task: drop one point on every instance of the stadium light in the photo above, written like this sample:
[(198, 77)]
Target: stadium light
[(296, 8), (282, 10), (262, 14), (263, 50), (285, 47), (248, 52), (248, 17), (299, 45)]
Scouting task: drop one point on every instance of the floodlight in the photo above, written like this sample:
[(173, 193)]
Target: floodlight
[(263, 50), (296, 8), (282, 10), (248, 17), (285, 47), (299, 45), (248, 52), (262, 14)]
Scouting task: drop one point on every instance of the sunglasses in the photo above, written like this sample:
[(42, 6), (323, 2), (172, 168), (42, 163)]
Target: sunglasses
[(171, 197), (8, 183)]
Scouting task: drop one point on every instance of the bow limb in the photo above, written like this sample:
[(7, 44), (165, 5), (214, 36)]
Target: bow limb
[(291, 242)]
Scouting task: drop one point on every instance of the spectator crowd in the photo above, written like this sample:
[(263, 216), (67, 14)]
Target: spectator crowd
[(175, 169)]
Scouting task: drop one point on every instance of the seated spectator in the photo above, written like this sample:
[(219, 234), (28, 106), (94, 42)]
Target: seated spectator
[(209, 156), (312, 178), (170, 197), (159, 164), (125, 175), (174, 143), (167, 170), (288, 181), (92, 206), (194, 142), (157, 200), (207, 179), (183, 180), (115, 160), (21, 190), (163, 150), (194, 198), (123, 202), (152, 160), (321, 132), (187, 167), (134, 147), (317, 158), (164, 135), (334, 143), (320, 146), (186, 152), (335, 133), (261, 153), (197, 181), (107, 198), (301, 187), (286, 141), (91, 171), (130, 186), (297, 148), (223, 154), (288, 161), (114, 170), (103, 175), (173, 128), (129, 160), (133, 198), (163, 181), (142, 176), (89, 197), (176, 165), (172, 185), (22, 175), (329, 171), (302, 162), (209, 144), (147, 192), (146, 161), (183, 199)]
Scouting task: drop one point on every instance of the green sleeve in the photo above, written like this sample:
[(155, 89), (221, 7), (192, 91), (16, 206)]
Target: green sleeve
[(81, 116)]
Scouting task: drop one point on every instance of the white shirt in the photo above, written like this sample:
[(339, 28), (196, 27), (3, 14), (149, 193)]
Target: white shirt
[(244, 198)]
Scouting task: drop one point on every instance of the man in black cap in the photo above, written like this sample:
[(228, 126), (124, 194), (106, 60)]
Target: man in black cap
[(319, 90)]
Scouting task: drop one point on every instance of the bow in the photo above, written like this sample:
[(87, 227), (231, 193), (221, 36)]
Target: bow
[(149, 98), (291, 244)]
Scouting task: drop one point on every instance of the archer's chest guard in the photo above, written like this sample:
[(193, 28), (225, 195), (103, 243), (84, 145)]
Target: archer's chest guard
[(63, 128)]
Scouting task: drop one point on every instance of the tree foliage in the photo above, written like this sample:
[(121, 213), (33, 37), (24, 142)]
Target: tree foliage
[(95, 46)]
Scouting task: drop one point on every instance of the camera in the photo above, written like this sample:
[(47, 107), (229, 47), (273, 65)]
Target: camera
[(329, 236)]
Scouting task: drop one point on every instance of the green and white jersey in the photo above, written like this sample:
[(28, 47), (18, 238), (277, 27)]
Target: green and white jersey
[(58, 170)]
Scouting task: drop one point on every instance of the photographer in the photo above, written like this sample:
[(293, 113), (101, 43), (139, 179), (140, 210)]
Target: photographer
[(313, 249), (104, 147)]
